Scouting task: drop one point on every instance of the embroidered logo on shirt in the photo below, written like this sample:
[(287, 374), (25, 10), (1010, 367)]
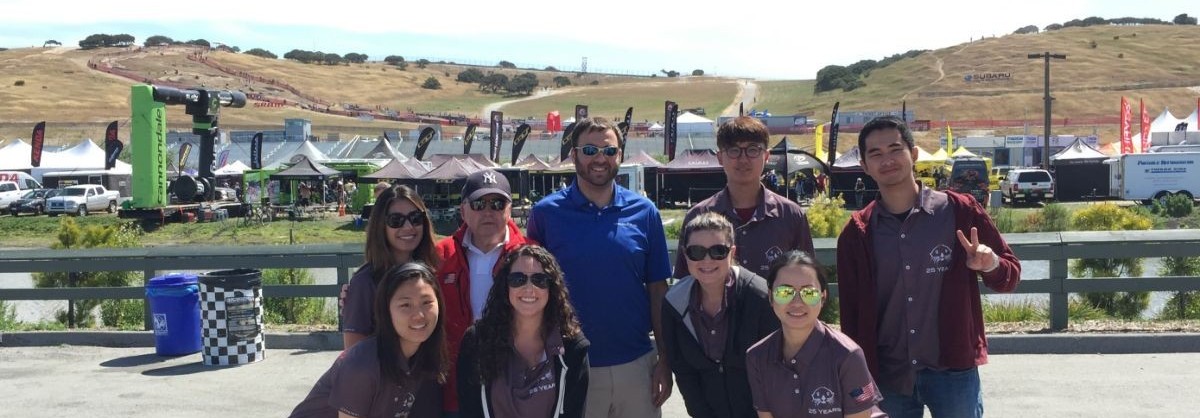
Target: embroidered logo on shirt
[(940, 254), (822, 396), (773, 253)]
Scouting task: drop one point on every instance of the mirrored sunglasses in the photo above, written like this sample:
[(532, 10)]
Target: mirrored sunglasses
[(517, 279), (495, 204), (783, 295), (697, 253), (396, 220), (592, 150)]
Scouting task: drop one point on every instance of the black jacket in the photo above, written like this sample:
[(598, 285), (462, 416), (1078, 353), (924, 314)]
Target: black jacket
[(571, 368), (710, 389)]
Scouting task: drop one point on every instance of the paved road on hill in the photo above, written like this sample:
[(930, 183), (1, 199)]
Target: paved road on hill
[(106, 382)]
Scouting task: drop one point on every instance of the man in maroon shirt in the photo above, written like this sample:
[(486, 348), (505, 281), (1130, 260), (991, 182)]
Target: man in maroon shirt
[(908, 268)]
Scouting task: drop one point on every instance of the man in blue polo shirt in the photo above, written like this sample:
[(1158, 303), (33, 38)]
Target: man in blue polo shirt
[(613, 251)]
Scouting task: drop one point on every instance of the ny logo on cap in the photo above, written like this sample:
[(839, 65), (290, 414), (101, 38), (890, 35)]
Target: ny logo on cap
[(489, 178)]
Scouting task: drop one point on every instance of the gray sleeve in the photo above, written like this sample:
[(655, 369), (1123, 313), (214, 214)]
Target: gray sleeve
[(357, 316)]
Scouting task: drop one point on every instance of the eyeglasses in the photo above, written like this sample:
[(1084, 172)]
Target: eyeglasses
[(592, 150), (783, 295), (697, 253), (517, 279), (749, 152), (495, 204), (396, 220)]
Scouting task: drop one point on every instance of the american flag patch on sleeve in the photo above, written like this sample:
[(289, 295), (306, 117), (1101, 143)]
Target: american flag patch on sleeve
[(864, 394)]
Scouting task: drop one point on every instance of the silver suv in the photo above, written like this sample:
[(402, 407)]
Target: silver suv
[(1028, 185)]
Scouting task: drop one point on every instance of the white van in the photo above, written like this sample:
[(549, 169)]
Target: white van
[(14, 184)]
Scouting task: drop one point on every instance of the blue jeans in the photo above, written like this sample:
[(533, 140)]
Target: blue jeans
[(947, 393)]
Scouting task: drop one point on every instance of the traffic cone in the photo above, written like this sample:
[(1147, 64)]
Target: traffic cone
[(342, 209)]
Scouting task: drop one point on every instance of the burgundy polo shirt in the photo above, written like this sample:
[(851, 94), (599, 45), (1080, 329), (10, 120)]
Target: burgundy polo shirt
[(711, 328), (912, 254), (355, 386), (528, 391), (827, 377), (777, 226)]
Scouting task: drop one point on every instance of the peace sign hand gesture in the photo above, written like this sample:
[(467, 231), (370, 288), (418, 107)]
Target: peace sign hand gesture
[(980, 257)]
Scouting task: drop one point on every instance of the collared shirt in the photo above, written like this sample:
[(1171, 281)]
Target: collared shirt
[(528, 391), (608, 256), (482, 264), (777, 226), (911, 257), (712, 327), (827, 377), (358, 314), (355, 385)]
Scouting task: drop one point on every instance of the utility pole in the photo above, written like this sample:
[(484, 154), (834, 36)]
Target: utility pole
[(1046, 140)]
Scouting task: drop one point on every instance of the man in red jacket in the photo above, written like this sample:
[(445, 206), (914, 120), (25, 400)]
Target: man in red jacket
[(908, 267), (469, 259)]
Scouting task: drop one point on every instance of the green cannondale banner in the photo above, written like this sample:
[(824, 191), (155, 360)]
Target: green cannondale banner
[(149, 148)]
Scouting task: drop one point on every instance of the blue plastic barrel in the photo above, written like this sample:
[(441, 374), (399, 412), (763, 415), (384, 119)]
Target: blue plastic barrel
[(175, 310)]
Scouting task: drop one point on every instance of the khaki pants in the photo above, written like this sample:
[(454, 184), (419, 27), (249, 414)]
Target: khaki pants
[(622, 391)]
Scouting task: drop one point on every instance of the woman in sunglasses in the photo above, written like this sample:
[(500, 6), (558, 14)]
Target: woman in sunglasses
[(398, 231), (807, 369), (527, 357), (711, 316), (397, 371)]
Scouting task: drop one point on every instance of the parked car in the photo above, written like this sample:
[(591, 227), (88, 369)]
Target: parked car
[(14, 184), (33, 202), (999, 173), (1028, 185), (970, 176), (83, 198)]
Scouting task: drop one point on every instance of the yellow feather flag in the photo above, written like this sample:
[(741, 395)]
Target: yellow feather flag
[(949, 139), (818, 138)]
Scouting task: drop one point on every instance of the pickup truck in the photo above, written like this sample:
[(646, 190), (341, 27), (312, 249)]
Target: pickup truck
[(1029, 185), (81, 199)]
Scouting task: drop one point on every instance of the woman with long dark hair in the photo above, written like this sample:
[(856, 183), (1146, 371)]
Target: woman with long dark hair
[(807, 369), (399, 230), (397, 371), (711, 317), (526, 357)]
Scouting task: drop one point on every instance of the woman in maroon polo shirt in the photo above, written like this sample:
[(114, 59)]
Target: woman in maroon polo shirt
[(395, 372), (807, 369), (526, 357), (398, 231)]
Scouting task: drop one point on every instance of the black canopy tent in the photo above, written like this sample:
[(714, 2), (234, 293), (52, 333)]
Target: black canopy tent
[(304, 169), (844, 175), (693, 176), (790, 162), (1079, 173)]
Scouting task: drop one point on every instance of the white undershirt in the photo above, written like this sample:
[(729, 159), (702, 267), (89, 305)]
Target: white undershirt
[(481, 264)]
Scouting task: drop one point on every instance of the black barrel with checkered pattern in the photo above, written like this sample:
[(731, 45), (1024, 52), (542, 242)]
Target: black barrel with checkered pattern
[(231, 312)]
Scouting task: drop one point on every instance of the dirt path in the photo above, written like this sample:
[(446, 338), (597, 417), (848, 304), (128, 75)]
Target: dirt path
[(747, 93), (486, 111)]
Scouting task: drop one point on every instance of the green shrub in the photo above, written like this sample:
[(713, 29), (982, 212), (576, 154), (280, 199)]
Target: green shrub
[(1082, 310), (307, 311), (1109, 217), (72, 236), (1178, 206), (1055, 218), (827, 216), (124, 314), (1182, 305), (8, 316), (673, 229), (1015, 311), (1003, 219)]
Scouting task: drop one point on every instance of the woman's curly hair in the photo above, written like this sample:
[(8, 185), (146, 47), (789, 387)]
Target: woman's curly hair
[(495, 329)]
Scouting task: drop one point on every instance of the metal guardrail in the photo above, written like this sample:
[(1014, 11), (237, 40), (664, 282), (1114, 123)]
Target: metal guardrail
[(1057, 248)]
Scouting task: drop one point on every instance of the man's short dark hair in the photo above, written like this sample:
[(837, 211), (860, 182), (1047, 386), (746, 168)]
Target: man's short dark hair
[(742, 129), (882, 123), (596, 124)]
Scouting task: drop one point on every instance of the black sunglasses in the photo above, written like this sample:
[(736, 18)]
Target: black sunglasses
[(396, 220), (592, 150), (697, 253), (495, 204), (517, 279)]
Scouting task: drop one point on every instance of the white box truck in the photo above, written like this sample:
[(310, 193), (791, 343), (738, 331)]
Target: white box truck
[(1154, 175)]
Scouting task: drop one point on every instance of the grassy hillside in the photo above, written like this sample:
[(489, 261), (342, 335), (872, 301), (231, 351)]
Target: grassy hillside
[(646, 98)]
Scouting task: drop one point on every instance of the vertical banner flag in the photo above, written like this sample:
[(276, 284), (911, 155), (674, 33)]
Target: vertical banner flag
[(949, 141), (184, 150), (833, 133), (256, 151), (469, 137), (38, 138), (1145, 126), (223, 159), (671, 130), (497, 133), (519, 137), (818, 138), (423, 142), (385, 137), (904, 110), (1126, 138), (565, 150), (581, 112), (112, 146), (741, 108), (624, 126)]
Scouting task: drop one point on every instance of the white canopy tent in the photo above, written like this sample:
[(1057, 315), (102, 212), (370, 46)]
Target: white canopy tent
[(15, 156), (83, 156), (1166, 122), (691, 123), (235, 168)]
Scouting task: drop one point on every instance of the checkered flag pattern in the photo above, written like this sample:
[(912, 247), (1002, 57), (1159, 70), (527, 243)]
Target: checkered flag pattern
[(231, 325)]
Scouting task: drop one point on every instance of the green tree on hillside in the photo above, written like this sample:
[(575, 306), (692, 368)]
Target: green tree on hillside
[(199, 42), (158, 40), (470, 75), (51, 42), (432, 83), (506, 64), (422, 63), (332, 59), (494, 82), (550, 68), (522, 84), (697, 72), (1183, 19), (355, 57), (834, 77), (562, 80), (1052, 26), (393, 59), (1026, 29), (262, 53)]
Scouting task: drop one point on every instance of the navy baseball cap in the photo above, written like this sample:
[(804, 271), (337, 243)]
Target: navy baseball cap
[(485, 182)]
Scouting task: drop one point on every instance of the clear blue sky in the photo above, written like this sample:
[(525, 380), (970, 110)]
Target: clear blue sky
[(772, 39)]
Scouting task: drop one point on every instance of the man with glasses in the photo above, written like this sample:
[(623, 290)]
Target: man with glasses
[(909, 281), (469, 258), (766, 225), (613, 251)]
